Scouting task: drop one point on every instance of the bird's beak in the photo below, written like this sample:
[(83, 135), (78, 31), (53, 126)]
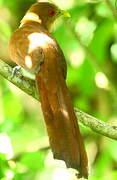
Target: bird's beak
[(65, 13)]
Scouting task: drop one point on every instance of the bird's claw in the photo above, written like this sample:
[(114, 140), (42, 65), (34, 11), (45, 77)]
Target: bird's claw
[(16, 70)]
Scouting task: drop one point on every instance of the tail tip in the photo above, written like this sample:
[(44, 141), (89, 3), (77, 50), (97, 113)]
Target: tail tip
[(82, 175)]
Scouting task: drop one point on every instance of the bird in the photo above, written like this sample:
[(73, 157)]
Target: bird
[(33, 47)]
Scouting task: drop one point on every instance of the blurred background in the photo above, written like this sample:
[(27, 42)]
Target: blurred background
[(89, 42)]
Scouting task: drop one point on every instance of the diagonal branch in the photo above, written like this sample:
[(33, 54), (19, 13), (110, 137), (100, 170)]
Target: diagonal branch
[(92, 58), (28, 86), (112, 8)]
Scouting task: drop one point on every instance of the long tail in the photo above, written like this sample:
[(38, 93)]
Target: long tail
[(64, 135)]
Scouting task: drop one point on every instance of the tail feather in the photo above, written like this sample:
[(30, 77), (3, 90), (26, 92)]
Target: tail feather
[(64, 135)]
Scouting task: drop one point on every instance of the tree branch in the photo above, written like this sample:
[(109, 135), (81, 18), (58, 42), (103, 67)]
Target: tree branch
[(112, 8), (28, 86), (25, 84), (92, 58)]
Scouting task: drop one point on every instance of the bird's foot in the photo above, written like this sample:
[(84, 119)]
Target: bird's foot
[(16, 71)]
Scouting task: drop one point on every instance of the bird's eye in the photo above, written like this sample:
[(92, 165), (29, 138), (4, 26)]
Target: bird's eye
[(51, 12)]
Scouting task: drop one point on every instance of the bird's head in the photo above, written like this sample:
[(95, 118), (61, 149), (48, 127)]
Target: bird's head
[(45, 13)]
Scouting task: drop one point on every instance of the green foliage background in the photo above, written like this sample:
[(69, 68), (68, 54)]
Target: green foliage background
[(24, 147)]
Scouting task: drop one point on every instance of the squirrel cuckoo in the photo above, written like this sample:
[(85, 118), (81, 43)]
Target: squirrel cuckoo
[(33, 47)]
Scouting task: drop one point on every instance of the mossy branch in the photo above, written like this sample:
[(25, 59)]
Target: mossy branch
[(28, 86)]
